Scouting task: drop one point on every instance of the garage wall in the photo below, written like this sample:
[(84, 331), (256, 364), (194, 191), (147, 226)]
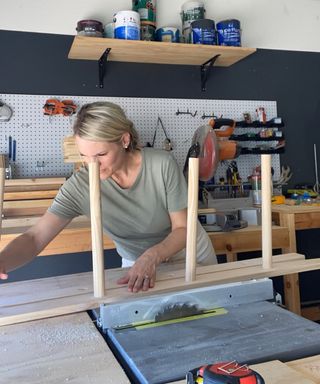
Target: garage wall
[(36, 63)]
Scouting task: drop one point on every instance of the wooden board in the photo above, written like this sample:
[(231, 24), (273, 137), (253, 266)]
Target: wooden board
[(30, 195), (92, 48), (309, 367), (26, 207), (247, 239), (41, 298), (276, 372), (65, 349)]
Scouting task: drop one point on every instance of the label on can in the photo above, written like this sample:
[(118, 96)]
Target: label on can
[(169, 34), (146, 9), (229, 33), (191, 11), (203, 36)]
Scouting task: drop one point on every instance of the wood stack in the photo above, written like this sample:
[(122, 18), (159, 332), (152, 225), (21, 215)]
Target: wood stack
[(29, 197)]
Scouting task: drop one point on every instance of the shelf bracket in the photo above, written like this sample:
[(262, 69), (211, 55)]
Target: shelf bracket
[(205, 71), (103, 66)]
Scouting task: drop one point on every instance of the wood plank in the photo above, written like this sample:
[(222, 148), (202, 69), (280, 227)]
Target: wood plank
[(58, 350), (30, 195), (92, 48), (309, 367), (26, 207), (74, 295), (276, 372), (307, 220), (311, 312), (18, 293), (35, 181), (247, 239)]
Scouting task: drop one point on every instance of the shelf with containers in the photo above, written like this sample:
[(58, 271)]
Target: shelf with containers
[(270, 131), (154, 52)]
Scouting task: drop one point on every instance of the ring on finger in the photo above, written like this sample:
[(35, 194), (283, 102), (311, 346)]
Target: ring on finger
[(146, 277)]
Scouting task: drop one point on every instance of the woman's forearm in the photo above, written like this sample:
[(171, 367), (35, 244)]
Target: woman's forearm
[(173, 243), (20, 251)]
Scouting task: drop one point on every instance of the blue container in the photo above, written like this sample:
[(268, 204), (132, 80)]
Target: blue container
[(127, 25), (229, 33), (203, 32)]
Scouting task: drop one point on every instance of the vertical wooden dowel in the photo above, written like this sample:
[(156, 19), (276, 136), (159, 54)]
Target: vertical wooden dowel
[(96, 230), (266, 211), (2, 179), (192, 220)]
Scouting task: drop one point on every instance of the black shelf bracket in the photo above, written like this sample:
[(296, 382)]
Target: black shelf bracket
[(205, 71), (103, 66)]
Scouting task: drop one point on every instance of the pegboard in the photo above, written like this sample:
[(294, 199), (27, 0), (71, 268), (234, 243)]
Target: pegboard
[(39, 138)]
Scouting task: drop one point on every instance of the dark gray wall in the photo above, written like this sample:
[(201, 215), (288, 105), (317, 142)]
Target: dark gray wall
[(33, 63)]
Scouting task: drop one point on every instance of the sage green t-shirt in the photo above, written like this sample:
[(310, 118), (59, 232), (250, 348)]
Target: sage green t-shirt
[(138, 217)]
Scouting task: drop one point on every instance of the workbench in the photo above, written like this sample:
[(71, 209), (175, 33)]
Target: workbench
[(295, 218)]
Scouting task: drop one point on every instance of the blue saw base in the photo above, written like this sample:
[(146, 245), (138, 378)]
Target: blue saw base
[(252, 333)]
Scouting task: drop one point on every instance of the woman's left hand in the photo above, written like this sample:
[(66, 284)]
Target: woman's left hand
[(142, 275)]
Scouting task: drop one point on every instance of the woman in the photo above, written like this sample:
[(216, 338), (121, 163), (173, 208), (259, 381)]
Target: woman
[(143, 195)]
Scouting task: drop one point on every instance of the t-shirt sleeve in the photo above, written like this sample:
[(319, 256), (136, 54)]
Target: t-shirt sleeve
[(176, 187), (68, 202)]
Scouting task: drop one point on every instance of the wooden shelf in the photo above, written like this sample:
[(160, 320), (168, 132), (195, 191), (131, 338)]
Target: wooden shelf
[(136, 51)]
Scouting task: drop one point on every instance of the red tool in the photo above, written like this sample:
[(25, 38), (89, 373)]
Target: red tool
[(224, 373)]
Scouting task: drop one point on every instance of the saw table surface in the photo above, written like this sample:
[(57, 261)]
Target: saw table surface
[(252, 333)]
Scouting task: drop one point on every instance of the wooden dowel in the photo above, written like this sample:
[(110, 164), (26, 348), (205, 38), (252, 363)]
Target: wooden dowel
[(96, 230), (266, 211), (192, 220), (2, 179)]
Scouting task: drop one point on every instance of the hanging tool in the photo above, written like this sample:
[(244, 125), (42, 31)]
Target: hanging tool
[(224, 373), (167, 145), (285, 176), (5, 112), (223, 127), (316, 187), (56, 107)]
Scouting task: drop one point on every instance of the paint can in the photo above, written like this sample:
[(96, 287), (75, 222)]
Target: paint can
[(168, 34), (146, 10), (147, 32), (109, 30), (186, 35), (91, 28), (229, 33), (191, 11), (203, 32), (127, 25)]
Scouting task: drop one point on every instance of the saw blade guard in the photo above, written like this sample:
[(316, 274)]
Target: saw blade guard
[(209, 151)]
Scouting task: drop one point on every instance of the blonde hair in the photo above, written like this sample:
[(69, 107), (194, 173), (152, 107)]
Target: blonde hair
[(104, 121)]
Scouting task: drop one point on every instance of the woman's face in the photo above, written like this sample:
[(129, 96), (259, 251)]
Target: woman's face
[(111, 156)]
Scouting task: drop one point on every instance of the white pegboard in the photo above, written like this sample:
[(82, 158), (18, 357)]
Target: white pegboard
[(39, 138)]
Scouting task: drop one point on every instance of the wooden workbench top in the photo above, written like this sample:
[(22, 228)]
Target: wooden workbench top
[(64, 349), (283, 208)]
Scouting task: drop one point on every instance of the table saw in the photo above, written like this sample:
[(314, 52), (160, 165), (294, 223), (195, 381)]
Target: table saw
[(244, 324)]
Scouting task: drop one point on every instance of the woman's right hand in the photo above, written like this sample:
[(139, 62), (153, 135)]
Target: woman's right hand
[(3, 273)]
